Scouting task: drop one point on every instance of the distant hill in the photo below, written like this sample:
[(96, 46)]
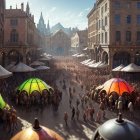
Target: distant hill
[(59, 26)]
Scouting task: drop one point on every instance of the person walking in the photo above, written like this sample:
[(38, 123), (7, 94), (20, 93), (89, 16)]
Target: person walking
[(120, 106), (73, 113), (77, 114), (131, 110), (66, 118)]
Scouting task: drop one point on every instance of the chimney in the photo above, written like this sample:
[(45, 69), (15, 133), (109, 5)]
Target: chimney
[(10, 7), (22, 6)]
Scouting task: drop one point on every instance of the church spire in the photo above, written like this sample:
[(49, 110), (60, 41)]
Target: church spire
[(27, 8), (48, 28)]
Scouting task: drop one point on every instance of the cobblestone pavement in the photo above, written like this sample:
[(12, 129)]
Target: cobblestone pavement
[(76, 130)]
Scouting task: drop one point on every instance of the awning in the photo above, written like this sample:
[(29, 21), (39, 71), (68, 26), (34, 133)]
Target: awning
[(21, 67), (86, 61), (119, 68), (4, 73), (131, 68)]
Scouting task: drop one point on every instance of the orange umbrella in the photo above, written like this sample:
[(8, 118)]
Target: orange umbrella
[(117, 85), (37, 132)]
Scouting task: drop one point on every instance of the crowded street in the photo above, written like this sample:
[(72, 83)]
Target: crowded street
[(72, 118)]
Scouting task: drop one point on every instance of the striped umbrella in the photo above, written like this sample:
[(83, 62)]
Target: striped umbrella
[(117, 85), (33, 84)]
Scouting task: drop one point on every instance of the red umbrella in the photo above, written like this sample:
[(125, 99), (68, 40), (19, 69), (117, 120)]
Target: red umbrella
[(117, 85)]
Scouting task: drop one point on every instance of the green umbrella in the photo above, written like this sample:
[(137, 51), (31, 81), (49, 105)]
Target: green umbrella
[(2, 103), (33, 84)]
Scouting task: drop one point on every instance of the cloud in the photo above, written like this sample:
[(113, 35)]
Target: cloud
[(52, 9), (87, 9), (81, 14)]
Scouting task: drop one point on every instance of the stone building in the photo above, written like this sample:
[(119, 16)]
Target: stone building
[(41, 26), (2, 10), (60, 43), (114, 32), (79, 41), (21, 36)]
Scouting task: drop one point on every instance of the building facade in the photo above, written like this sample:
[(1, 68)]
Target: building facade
[(20, 35), (79, 41), (2, 10), (60, 43), (114, 32)]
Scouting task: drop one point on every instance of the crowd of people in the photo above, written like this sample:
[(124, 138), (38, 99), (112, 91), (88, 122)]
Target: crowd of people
[(82, 104)]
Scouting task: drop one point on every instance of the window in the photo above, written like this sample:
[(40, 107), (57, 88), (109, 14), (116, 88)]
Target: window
[(14, 36), (102, 37), (128, 19), (14, 22), (102, 10), (138, 5), (117, 19), (102, 23), (105, 7), (128, 5), (105, 21), (118, 36), (105, 37), (138, 36), (138, 19), (128, 36), (117, 5), (99, 24)]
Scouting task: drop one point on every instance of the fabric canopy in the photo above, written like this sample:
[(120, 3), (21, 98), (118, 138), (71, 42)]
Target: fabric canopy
[(131, 68), (33, 84), (95, 64), (45, 58), (37, 63), (102, 65), (42, 68), (2, 103), (117, 85), (85, 61), (90, 63), (119, 68), (10, 65), (21, 67), (4, 73), (80, 55)]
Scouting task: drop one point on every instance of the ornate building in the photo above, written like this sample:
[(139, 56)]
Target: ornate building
[(2, 9), (59, 43), (21, 37), (41, 26), (79, 41), (114, 32)]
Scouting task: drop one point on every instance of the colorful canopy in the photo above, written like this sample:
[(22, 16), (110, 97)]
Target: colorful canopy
[(2, 103), (33, 84), (4, 73), (37, 132), (117, 85)]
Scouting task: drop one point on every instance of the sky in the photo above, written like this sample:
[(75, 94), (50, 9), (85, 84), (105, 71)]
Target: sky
[(70, 13)]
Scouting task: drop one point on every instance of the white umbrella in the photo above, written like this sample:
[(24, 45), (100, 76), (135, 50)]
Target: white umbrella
[(131, 68), (42, 68), (119, 68), (4, 73), (12, 64), (90, 63), (37, 63), (102, 65), (95, 64), (21, 67), (86, 61)]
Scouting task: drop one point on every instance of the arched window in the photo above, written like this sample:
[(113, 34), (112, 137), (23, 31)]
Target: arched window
[(14, 36)]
